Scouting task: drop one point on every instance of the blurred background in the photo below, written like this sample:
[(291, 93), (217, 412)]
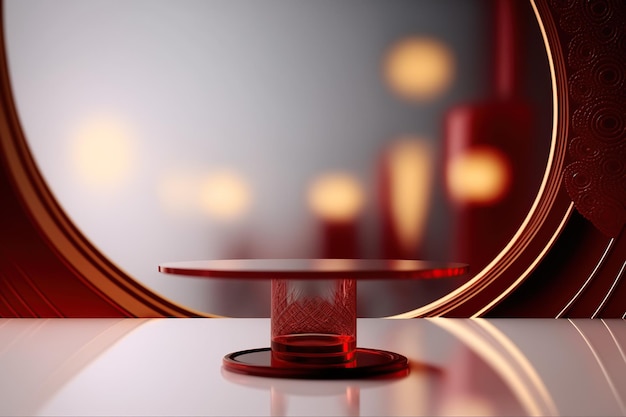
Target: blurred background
[(181, 130)]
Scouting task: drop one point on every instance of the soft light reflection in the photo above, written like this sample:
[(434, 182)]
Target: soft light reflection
[(336, 197), (102, 152), (39, 357), (225, 195), (416, 395), (497, 350), (299, 397), (410, 166), (333, 264), (419, 68), (479, 175)]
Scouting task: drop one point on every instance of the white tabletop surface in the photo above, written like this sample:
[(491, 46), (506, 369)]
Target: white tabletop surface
[(173, 367)]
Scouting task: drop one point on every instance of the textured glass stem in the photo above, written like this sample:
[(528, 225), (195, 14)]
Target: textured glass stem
[(314, 321)]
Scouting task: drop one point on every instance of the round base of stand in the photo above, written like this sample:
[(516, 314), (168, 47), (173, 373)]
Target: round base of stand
[(368, 363)]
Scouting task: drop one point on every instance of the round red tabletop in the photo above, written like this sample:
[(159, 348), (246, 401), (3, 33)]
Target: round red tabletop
[(316, 269)]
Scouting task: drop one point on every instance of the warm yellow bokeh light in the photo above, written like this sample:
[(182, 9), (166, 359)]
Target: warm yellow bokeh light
[(410, 176), (419, 68), (225, 195), (336, 197), (102, 153), (480, 175)]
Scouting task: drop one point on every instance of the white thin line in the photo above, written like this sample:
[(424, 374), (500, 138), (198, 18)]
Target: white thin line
[(603, 369), (586, 284), (610, 291), (619, 347)]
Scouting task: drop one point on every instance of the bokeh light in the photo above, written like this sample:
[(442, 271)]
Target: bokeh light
[(336, 196), (225, 195), (480, 175), (419, 68), (410, 176), (102, 152)]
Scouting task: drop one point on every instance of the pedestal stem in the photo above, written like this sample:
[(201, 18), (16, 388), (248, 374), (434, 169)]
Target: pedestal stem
[(314, 321)]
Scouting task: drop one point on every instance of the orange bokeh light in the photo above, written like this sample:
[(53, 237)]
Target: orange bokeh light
[(480, 175), (336, 197), (410, 175), (419, 68)]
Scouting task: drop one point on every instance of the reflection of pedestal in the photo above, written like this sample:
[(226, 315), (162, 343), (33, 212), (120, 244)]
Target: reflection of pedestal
[(314, 313), (291, 398)]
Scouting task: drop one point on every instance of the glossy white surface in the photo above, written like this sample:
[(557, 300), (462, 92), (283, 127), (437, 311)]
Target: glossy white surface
[(173, 367)]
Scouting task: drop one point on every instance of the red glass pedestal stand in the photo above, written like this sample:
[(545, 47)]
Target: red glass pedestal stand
[(313, 315)]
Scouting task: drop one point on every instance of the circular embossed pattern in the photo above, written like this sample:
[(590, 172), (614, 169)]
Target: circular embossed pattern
[(602, 119), (579, 180), (606, 33), (571, 21), (613, 166), (580, 89), (581, 149), (608, 73), (581, 51), (597, 79), (597, 11)]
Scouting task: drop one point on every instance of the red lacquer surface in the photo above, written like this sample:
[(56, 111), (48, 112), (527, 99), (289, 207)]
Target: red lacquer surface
[(368, 363), (316, 269)]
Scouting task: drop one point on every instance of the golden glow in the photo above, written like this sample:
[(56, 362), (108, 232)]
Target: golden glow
[(225, 195), (102, 153), (410, 175), (480, 175), (419, 68), (336, 197)]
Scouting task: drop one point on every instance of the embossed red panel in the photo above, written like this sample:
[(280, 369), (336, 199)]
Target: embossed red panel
[(596, 177)]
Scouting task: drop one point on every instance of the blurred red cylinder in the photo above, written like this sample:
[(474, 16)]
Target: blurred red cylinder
[(339, 239), (485, 222), (488, 153)]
